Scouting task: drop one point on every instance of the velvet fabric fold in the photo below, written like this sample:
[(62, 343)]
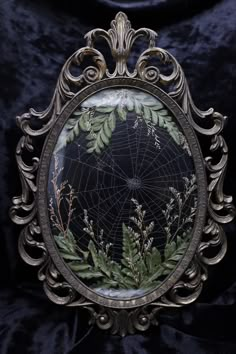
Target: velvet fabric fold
[(35, 40), (31, 324)]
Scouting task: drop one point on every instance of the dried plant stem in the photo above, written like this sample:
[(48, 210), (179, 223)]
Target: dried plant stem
[(58, 201), (70, 203), (59, 195)]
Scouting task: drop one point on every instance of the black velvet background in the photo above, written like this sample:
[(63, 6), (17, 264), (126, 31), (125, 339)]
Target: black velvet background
[(36, 37)]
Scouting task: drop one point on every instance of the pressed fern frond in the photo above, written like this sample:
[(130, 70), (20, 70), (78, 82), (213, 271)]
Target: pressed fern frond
[(100, 132), (100, 122)]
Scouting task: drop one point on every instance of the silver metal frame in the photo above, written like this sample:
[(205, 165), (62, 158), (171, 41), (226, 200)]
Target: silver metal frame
[(214, 208)]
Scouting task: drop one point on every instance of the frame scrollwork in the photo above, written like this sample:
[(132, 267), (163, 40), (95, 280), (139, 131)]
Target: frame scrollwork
[(220, 210)]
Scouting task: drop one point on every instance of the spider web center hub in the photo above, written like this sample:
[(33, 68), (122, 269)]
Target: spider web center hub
[(134, 183)]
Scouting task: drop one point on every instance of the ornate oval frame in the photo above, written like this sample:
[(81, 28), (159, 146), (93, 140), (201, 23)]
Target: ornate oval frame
[(42, 191), (214, 207)]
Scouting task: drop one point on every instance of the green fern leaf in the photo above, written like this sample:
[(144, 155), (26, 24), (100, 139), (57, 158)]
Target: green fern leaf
[(160, 116), (84, 122), (107, 284), (66, 244), (148, 282), (94, 253), (90, 274), (130, 257), (99, 141), (130, 249), (161, 121), (112, 121), (106, 133), (122, 113), (142, 269), (155, 118), (79, 267), (103, 126), (90, 149), (170, 249), (77, 113), (156, 107), (72, 133), (130, 104), (97, 150), (138, 109), (71, 257), (103, 263), (174, 252), (104, 109), (147, 113), (153, 260), (164, 112)]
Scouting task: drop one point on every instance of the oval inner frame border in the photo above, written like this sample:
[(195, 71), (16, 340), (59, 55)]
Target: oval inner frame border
[(42, 201)]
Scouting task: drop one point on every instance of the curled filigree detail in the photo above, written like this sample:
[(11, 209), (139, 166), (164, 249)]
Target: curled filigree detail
[(152, 73), (89, 75), (56, 288), (125, 322), (187, 290), (217, 242), (221, 208), (67, 86), (28, 242), (23, 209)]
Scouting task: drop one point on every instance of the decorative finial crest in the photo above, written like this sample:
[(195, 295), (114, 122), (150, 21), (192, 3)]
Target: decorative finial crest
[(120, 38)]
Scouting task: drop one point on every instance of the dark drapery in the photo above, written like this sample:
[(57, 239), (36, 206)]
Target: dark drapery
[(36, 37)]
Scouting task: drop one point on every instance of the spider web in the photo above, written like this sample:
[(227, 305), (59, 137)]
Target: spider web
[(131, 167)]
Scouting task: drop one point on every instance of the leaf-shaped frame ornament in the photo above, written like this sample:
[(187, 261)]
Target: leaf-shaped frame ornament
[(182, 267)]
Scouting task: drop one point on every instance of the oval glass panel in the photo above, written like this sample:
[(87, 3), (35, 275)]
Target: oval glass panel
[(122, 193)]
